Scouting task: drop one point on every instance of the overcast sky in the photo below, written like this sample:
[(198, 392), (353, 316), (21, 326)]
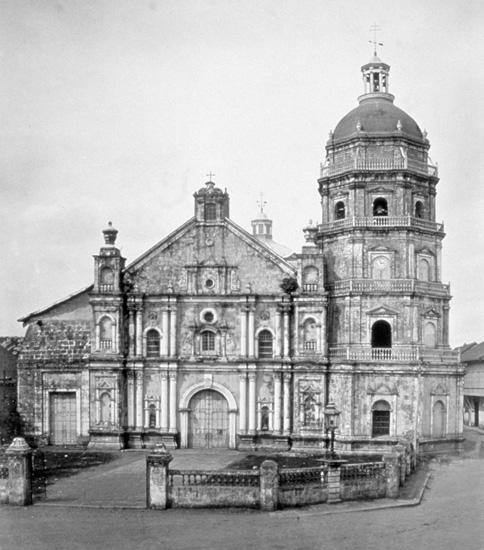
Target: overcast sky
[(117, 110)]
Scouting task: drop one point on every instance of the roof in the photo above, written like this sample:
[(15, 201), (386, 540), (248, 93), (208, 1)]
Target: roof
[(376, 114), (472, 352), (11, 343)]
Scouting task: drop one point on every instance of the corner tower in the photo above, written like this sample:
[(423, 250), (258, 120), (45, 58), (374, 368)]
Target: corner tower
[(388, 308)]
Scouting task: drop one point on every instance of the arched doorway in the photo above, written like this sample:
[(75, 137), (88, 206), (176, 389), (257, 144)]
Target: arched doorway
[(208, 425), (381, 335)]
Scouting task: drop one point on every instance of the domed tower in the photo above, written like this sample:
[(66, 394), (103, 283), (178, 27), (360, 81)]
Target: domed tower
[(392, 371)]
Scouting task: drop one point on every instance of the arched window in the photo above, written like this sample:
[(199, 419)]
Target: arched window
[(105, 408), (380, 207), (152, 343), (106, 333), (152, 415), (210, 211), (430, 335), (424, 270), (419, 209), (310, 336), (339, 210), (265, 344), (380, 421), (106, 279), (438, 419), (208, 341), (310, 279), (381, 267), (381, 335)]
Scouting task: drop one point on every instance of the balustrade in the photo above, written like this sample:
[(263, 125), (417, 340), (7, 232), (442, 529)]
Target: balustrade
[(378, 164), (380, 222), (388, 285)]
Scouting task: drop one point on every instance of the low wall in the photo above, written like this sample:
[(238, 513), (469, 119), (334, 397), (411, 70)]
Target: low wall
[(203, 489), (363, 481), (300, 486)]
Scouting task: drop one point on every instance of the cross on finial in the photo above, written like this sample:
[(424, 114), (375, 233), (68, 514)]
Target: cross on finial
[(261, 203), (210, 175), (374, 29)]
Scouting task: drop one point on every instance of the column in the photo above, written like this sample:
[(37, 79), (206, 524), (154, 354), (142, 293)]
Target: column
[(445, 328), (286, 350), (173, 407), (324, 339), (131, 391), (139, 400), (98, 336), (164, 402), (411, 260), (438, 267), (277, 402), (19, 472), (157, 467), (251, 334), (252, 405), (139, 331), (131, 333), (242, 402), (173, 331), (164, 330), (296, 330), (278, 350), (286, 421), (243, 332)]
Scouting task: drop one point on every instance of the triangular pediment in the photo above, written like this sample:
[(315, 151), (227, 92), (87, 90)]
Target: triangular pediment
[(382, 389), (431, 314), (382, 310), (201, 258)]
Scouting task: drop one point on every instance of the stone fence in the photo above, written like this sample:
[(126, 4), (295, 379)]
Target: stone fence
[(269, 487)]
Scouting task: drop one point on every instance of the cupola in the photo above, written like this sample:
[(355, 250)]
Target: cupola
[(211, 203)]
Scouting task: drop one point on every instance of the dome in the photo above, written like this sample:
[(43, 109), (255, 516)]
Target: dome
[(377, 115)]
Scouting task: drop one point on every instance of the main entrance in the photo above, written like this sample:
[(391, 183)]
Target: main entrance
[(209, 420), (62, 418)]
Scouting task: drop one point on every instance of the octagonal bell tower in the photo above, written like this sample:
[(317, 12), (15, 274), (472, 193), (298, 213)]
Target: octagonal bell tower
[(392, 371)]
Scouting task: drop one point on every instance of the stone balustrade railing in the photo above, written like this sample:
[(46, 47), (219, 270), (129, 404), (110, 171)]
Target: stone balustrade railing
[(378, 164), (388, 285), (380, 222), (395, 354)]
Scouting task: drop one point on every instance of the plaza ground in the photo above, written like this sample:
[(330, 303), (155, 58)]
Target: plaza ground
[(449, 517)]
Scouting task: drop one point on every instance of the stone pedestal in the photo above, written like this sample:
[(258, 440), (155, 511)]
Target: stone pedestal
[(334, 479), (392, 474), (269, 485), (19, 473), (157, 478)]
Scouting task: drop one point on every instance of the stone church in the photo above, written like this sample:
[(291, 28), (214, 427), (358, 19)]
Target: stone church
[(220, 337)]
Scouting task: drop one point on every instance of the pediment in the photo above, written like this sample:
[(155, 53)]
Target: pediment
[(382, 389), (381, 249), (439, 389), (431, 314), (425, 252), (382, 311)]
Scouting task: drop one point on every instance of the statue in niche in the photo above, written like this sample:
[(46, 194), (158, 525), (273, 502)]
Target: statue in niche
[(264, 418), (152, 415), (309, 411)]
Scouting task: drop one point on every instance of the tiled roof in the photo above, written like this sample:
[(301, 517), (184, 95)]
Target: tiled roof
[(11, 343), (472, 352)]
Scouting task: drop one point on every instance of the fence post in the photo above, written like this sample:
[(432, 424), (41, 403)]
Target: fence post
[(269, 485), (157, 478), (392, 474), (334, 479), (19, 472)]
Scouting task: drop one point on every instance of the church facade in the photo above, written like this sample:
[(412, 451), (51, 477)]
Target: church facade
[(217, 337)]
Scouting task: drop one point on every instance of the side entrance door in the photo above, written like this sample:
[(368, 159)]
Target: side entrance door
[(209, 420), (63, 418)]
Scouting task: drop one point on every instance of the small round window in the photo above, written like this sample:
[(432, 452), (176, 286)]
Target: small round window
[(209, 283), (208, 317)]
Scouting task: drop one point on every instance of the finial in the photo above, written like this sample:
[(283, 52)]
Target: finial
[(425, 134), (399, 125), (210, 175), (374, 29), (331, 134), (110, 234), (358, 126)]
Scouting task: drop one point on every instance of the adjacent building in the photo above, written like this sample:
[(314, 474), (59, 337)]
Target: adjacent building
[(217, 337), (472, 357)]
